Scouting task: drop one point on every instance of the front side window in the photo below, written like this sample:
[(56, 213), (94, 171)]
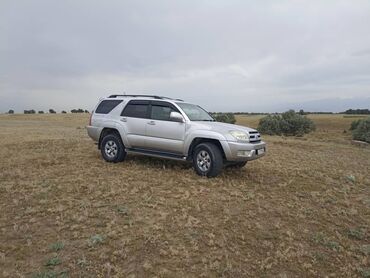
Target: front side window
[(161, 113), (136, 109), (195, 112), (106, 106)]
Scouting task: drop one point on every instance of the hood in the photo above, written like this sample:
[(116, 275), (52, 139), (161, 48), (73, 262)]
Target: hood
[(219, 127)]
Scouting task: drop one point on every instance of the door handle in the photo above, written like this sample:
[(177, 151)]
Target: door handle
[(151, 123), (123, 120)]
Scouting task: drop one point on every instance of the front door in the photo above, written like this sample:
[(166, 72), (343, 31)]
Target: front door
[(162, 134)]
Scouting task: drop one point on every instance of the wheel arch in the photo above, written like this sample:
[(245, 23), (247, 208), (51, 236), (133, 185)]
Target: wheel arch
[(108, 130), (199, 140)]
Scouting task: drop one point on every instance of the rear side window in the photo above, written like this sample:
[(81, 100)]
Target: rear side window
[(106, 106), (136, 109)]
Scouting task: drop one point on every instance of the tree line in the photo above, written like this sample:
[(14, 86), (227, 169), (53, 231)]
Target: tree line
[(51, 111), (357, 111)]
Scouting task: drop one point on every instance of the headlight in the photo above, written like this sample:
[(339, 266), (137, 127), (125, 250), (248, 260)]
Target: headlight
[(240, 135)]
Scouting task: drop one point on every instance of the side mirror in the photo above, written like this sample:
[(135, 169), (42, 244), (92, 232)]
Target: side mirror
[(176, 117)]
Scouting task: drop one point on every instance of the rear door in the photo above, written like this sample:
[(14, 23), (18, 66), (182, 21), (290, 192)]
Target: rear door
[(162, 134), (134, 118)]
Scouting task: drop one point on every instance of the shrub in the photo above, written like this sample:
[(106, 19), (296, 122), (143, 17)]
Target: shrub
[(288, 123), (53, 261), (57, 246), (52, 111), (64, 112), (354, 124), (224, 117), (11, 111), (270, 125), (41, 112), (361, 130)]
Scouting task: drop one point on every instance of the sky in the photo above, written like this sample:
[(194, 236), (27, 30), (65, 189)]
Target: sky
[(225, 55)]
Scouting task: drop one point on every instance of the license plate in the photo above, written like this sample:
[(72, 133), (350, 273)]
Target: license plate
[(260, 151)]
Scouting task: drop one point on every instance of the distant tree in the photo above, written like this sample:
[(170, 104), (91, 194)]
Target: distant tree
[(64, 112), (41, 112), (52, 111), (87, 111), (11, 111), (357, 111), (29, 111), (79, 110), (301, 112)]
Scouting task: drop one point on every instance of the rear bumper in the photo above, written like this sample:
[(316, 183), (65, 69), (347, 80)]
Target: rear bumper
[(94, 132), (235, 151)]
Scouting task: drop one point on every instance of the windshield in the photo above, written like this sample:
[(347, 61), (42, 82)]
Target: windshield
[(195, 112)]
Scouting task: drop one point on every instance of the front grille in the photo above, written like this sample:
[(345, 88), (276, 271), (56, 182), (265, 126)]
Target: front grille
[(254, 137)]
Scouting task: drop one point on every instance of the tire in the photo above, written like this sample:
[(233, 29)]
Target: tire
[(112, 148), (207, 160), (235, 165)]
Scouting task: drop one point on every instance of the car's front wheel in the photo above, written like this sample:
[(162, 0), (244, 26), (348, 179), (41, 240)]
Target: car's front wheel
[(112, 148), (207, 160)]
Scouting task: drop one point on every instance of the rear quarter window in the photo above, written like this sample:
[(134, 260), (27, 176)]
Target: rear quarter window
[(106, 106)]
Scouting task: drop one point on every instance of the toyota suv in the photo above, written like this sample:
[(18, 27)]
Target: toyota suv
[(170, 128)]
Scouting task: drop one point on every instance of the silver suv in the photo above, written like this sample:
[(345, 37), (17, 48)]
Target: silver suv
[(170, 128)]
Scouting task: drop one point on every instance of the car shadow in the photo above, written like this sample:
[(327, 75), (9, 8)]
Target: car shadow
[(162, 163)]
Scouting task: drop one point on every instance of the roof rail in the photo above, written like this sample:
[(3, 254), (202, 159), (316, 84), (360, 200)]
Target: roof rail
[(150, 96)]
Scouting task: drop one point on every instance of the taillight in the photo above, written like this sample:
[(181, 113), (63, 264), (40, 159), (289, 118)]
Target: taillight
[(90, 117)]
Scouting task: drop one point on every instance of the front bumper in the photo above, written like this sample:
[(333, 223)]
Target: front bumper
[(235, 151)]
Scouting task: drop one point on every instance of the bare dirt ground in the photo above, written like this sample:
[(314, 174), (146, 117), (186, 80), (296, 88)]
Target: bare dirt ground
[(301, 211)]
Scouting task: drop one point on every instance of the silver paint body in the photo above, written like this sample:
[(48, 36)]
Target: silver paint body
[(159, 136)]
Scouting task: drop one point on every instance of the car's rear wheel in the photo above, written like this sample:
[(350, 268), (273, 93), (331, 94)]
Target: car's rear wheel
[(112, 148), (207, 160)]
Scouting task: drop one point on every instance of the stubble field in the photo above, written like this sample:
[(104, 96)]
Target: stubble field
[(301, 211)]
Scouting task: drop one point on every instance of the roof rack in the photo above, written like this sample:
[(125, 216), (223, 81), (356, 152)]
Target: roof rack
[(149, 96)]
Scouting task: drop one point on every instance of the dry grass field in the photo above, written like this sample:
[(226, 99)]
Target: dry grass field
[(301, 211)]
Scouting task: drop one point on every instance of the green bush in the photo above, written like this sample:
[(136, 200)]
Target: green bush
[(270, 125), (354, 124), (361, 130), (224, 117), (288, 123)]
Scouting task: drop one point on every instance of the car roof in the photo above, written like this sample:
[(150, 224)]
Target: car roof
[(146, 97)]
